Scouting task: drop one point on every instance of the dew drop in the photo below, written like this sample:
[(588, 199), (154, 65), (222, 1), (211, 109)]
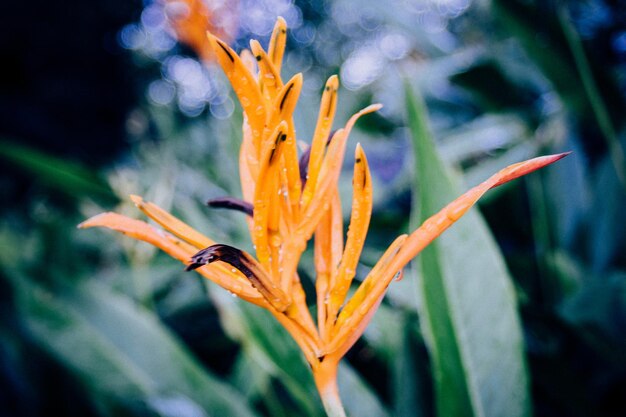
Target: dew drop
[(275, 240)]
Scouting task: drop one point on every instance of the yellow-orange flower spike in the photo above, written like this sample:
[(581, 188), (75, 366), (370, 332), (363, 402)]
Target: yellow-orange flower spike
[(286, 207)]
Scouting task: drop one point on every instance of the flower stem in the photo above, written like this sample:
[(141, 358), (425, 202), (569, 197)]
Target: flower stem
[(326, 381)]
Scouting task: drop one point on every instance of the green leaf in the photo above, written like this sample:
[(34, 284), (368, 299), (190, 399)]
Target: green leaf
[(494, 88), (73, 179), (469, 307), (409, 374), (538, 32), (356, 395), (594, 95), (269, 345), (121, 353)]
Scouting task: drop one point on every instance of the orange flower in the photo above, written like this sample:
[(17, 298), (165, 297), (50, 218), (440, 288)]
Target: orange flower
[(288, 201), (191, 19)]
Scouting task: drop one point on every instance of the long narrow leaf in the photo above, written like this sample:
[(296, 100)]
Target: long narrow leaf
[(120, 352), (469, 306), (73, 179)]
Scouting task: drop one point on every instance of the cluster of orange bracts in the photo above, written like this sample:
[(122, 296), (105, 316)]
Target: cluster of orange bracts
[(290, 200)]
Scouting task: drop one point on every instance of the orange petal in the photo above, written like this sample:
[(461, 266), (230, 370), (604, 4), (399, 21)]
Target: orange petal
[(190, 22), (439, 222), (362, 303), (269, 79), (139, 230), (325, 118), (328, 248), (292, 171), (248, 60), (278, 41), (244, 84), (357, 231), (526, 167), (248, 165), (336, 233), (282, 110), (299, 311), (286, 100), (420, 238), (356, 330), (329, 238), (329, 175), (266, 193), (176, 248), (171, 223)]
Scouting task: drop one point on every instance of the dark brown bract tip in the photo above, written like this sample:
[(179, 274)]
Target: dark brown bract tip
[(220, 252), (204, 257), (232, 203)]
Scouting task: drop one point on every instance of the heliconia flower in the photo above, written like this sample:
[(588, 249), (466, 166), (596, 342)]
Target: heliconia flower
[(288, 200), (191, 19)]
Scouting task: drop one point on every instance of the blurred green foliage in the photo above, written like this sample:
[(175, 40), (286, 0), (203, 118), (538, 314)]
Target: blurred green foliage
[(95, 324)]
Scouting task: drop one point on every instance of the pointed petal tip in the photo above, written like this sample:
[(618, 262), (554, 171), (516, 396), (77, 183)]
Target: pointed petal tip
[(136, 199), (541, 161), (548, 159), (562, 155), (372, 108), (526, 167), (359, 152), (281, 21), (94, 221), (255, 45), (297, 78)]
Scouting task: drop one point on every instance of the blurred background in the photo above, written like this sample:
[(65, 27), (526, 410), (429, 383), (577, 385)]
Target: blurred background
[(99, 100)]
